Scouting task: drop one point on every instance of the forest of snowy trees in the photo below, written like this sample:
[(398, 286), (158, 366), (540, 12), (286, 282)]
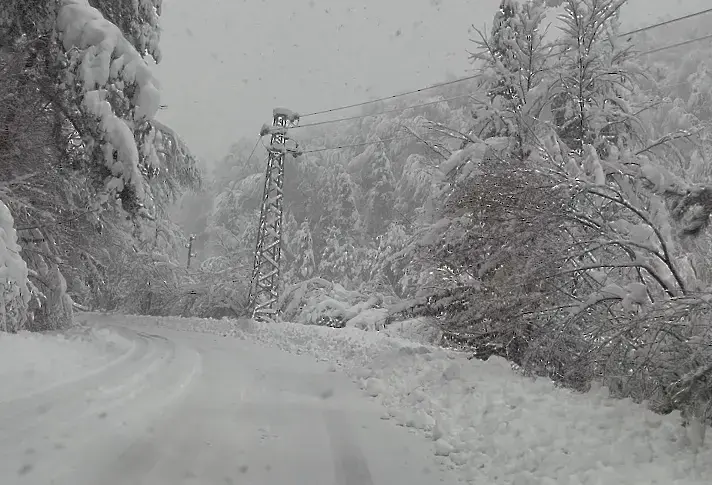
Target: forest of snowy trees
[(553, 211)]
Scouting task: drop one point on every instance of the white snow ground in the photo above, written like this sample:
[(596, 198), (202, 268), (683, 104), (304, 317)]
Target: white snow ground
[(30, 362), (193, 408), (185, 407)]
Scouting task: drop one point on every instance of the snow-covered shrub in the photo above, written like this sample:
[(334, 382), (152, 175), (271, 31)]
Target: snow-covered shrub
[(152, 283), (662, 355), (421, 330), (14, 289), (319, 302), (217, 291)]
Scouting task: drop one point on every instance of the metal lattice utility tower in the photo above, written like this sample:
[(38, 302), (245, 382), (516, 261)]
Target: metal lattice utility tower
[(264, 287)]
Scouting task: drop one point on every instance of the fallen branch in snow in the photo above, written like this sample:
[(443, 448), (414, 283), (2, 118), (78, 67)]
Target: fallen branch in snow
[(80, 307)]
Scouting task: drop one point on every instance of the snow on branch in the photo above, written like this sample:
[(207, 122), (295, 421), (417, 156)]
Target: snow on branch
[(107, 54), (105, 61), (14, 289)]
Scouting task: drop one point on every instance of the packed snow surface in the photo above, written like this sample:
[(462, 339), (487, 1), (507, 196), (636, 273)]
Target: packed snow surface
[(194, 408), (491, 424)]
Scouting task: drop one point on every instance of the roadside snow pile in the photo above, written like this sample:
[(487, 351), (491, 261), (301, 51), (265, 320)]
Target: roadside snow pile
[(492, 424), (33, 362)]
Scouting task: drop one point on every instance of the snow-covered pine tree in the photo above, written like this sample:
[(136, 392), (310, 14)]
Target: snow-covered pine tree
[(339, 261), (378, 183), (496, 210), (304, 263), (138, 20), (110, 105), (91, 136), (513, 60), (595, 77), (290, 245), (48, 213), (332, 203), (501, 52)]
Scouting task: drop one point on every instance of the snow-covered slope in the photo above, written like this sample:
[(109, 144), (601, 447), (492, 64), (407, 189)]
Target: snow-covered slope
[(491, 424)]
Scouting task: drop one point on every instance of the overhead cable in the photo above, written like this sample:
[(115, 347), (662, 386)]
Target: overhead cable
[(394, 110), (672, 46), (667, 22), (259, 138), (393, 96), (471, 77), (339, 147)]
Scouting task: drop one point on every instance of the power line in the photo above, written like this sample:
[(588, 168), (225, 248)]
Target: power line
[(672, 46), (394, 110), (469, 78), (667, 22), (393, 96), (451, 99), (339, 147), (259, 138)]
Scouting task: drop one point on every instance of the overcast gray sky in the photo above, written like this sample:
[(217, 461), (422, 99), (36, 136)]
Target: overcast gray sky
[(227, 63)]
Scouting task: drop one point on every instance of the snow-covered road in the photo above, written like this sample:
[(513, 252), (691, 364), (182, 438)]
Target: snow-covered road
[(190, 408)]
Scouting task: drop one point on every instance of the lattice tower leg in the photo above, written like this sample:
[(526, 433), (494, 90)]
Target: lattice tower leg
[(264, 289)]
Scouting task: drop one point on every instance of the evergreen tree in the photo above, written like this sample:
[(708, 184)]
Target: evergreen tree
[(90, 133), (502, 51), (336, 262), (514, 62), (378, 184), (594, 77), (304, 263)]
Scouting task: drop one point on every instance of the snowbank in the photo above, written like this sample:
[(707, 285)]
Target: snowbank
[(33, 362), (495, 426)]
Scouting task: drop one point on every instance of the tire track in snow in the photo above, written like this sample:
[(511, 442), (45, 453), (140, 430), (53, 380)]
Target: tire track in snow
[(78, 379), (83, 416), (63, 404), (118, 445), (350, 465)]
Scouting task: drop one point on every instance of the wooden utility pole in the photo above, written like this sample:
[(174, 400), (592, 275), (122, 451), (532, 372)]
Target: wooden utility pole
[(190, 249)]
